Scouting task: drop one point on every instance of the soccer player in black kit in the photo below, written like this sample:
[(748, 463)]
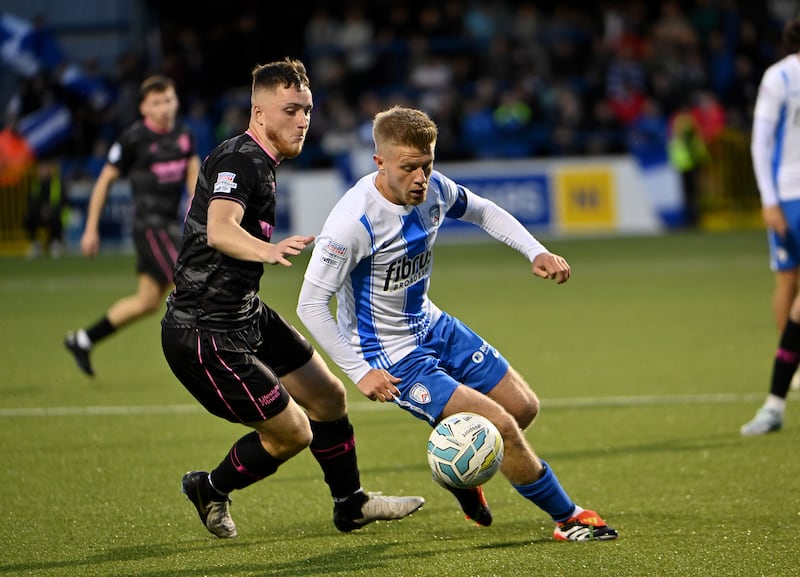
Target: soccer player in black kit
[(239, 358), (157, 153)]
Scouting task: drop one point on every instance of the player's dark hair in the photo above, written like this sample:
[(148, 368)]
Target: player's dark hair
[(404, 126), (791, 35), (157, 83), (287, 73)]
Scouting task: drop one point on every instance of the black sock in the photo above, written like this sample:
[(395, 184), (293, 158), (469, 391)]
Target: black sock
[(787, 359), (334, 448), (100, 330), (246, 463)]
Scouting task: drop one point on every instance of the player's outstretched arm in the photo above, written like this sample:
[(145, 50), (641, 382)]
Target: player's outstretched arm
[(379, 385), (291, 246), (225, 234), (90, 240), (551, 266)]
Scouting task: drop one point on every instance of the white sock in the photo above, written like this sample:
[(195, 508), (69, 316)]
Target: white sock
[(776, 403), (83, 340)]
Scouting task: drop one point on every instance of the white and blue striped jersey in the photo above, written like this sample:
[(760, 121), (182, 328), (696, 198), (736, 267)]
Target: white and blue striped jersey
[(377, 257), (776, 132)]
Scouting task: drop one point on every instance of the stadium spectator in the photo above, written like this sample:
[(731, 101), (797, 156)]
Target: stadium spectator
[(47, 202), (157, 154), (375, 254), (775, 150), (688, 153), (355, 47), (199, 122), (16, 157), (647, 136), (708, 115), (626, 81), (239, 358)]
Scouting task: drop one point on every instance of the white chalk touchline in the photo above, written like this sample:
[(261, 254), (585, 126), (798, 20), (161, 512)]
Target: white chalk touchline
[(578, 402)]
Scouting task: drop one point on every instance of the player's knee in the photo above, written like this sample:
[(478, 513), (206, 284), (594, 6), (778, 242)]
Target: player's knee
[(289, 441), (336, 394), (508, 426), (331, 401), (526, 412), (302, 438)]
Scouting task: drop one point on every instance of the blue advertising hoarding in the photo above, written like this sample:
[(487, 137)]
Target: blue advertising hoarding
[(526, 196)]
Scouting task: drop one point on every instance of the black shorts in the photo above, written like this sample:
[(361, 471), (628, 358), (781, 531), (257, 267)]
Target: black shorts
[(157, 250), (236, 375)]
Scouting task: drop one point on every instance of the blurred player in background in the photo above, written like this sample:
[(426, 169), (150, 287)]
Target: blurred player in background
[(375, 254), (775, 150), (47, 201), (157, 153), (239, 358)]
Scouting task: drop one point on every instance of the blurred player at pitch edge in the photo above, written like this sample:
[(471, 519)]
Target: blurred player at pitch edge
[(375, 253), (775, 149), (238, 357), (157, 154)]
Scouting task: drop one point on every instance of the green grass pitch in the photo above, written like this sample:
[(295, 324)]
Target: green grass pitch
[(647, 362)]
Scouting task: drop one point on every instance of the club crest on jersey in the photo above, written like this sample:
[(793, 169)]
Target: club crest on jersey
[(184, 143), (420, 394), (333, 254), (435, 215), (225, 182)]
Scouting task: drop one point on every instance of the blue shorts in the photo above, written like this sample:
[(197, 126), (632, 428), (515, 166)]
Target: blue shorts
[(452, 354), (784, 252)]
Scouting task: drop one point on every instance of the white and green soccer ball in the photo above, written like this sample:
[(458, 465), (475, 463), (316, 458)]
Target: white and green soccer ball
[(464, 450)]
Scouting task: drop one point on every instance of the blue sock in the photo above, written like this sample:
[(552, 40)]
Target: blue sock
[(548, 494)]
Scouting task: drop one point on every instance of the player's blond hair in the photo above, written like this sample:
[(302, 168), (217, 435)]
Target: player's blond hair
[(404, 126)]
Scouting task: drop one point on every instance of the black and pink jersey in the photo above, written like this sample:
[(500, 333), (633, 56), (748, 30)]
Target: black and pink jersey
[(155, 163), (214, 291)]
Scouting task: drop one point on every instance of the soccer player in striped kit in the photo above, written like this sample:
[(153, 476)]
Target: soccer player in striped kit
[(775, 149), (157, 154), (375, 254)]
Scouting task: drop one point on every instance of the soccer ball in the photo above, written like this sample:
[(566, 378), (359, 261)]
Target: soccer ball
[(464, 450)]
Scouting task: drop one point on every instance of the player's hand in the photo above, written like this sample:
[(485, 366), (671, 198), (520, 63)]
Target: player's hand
[(90, 243), (551, 266), (291, 246), (378, 385), (774, 219)]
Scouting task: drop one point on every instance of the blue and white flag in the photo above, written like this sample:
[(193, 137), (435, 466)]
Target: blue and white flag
[(27, 48), (46, 128)]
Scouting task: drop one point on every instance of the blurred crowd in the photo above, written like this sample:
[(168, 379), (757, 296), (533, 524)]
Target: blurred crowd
[(503, 79)]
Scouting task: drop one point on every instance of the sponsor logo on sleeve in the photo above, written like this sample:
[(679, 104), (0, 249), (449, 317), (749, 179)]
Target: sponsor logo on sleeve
[(114, 153), (225, 182), (333, 254)]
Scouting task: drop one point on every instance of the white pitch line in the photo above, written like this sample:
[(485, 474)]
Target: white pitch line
[(579, 402)]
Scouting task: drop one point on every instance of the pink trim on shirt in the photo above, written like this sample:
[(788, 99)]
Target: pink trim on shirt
[(250, 134), (155, 128)]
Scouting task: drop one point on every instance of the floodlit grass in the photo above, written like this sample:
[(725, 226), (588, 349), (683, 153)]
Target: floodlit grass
[(647, 362)]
